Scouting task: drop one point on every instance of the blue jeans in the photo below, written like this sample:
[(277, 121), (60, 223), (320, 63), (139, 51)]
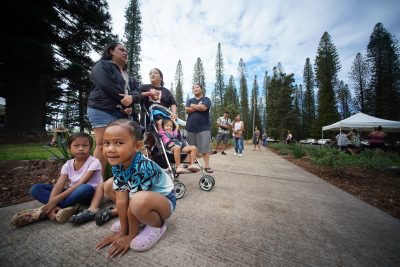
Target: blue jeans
[(238, 145), (82, 194)]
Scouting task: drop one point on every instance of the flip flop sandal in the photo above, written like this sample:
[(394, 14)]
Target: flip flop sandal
[(83, 217), (209, 170), (26, 217), (148, 238), (63, 215), (104, 216)]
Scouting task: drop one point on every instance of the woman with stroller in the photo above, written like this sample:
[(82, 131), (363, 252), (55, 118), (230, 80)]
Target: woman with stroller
[(112, 94), (170, 137), (156, 93)]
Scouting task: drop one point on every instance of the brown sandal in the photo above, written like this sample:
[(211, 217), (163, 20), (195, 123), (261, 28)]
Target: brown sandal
[(26, 217)]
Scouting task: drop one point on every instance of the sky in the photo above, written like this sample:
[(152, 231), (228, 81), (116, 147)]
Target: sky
[(262, 32)]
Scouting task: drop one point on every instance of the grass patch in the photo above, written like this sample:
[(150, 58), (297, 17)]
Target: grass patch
[(327, 156), (27, 152)]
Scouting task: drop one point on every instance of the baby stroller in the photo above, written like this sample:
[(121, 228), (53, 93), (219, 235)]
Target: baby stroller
[(157, 151)]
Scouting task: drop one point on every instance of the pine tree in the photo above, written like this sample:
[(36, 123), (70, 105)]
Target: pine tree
[(383, 56), (180, 106), (56, 37), (244, 98), (265, 96), (254, 108), (327, 66), (297, 111), (133, 36), (359, 75), (198, 74), (219, 87), (344, 99), (280, 102), (231, 97), (309, 98)]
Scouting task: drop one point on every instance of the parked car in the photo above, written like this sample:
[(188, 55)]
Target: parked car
[(272, 140), (310, 141), (324, 141)]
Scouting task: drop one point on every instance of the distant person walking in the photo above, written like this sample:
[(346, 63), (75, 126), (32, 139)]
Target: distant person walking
[(224, 125), (238, 128), (198, 124), (289, 137), (256, 139), (264, 139)]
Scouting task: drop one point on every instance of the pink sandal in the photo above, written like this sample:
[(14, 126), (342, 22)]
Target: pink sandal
[(148, 238), (116, 226), (26, 217)]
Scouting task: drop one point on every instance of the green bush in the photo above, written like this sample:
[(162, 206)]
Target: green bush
[(298, 151)]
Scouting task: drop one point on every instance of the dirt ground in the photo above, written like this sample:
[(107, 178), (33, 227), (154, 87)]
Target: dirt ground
[(378, 188)]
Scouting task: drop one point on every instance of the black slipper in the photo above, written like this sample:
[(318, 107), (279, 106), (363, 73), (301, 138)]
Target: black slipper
[(209, 170)]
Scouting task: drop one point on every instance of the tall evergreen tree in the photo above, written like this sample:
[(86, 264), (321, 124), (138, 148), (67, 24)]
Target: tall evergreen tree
[(219, 77), (180, 106), (383, 56), (133, 36), (265, 97), (327, 66), (231, 97), (359, 75), (309, 98), (198, 74), (280, 102), (297, 111), (254, 108), (244, 98), (54, 36), (344, 99)]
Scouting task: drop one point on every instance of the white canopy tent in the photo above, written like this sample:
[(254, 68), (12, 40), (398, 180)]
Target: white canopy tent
[(363, 122)]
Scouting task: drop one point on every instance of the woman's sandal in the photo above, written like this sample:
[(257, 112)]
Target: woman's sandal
[(26, 217), (83, 217), (104, 216), (209, 170), (148, 238)]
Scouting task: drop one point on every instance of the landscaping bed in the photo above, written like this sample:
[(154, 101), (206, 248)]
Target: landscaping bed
[(378, 187)]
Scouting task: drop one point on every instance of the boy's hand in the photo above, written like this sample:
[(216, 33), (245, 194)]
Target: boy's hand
[(119, 246)]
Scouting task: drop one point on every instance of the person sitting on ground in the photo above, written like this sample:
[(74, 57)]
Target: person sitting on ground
[(57, 132), (144, 191), (354, 142), (377, 138), (224, 125), (342, 140), (84, 174), (169, 131)]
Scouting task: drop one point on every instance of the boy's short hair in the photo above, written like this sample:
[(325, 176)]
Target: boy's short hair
[(132, 126)]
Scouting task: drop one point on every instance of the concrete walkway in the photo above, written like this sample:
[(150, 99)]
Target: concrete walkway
[(263, 211)]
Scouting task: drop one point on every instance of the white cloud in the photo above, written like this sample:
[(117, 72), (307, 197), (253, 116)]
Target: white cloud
[(266, 32)]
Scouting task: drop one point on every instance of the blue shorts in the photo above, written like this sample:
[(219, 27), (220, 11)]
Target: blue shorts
[(172, 200), (100, 118)]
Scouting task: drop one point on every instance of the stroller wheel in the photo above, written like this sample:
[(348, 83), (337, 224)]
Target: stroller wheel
[(180, 189), (206, 182)]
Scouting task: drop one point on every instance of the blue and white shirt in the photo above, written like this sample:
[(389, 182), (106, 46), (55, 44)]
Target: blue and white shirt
[(142, 175)]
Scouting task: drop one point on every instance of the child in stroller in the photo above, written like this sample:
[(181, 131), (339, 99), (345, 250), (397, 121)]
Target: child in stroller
[(169, 131)]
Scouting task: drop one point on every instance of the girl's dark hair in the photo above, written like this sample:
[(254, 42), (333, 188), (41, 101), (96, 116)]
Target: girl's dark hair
[(131, 126), (80, 135), (167, 120), (161, 75), (201, 86)]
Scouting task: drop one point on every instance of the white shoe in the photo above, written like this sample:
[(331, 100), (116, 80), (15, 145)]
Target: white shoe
[(240, 155), (235, 154)]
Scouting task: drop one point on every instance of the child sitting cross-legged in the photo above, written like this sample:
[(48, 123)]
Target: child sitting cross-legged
[(169, 131), (144, 191), (83, 173)]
